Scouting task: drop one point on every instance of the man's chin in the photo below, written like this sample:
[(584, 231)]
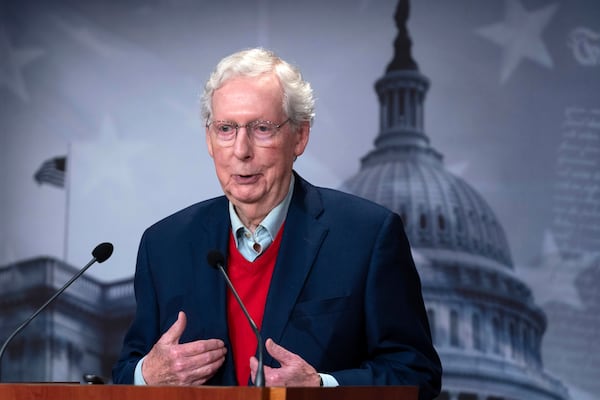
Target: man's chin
[(244, 197)]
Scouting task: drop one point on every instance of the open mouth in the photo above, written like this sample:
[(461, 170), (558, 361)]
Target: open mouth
[(246, 178)]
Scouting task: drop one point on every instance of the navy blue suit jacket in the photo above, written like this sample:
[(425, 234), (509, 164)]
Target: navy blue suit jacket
[(345, 294)]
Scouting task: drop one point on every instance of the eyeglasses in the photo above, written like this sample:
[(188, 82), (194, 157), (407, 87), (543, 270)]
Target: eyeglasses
[(260, 132)]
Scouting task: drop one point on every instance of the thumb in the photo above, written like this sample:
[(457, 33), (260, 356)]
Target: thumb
[(172, 335), (278, 352)]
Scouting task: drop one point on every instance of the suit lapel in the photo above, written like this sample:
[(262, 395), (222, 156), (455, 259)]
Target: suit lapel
[(302, 237), (211, 231)]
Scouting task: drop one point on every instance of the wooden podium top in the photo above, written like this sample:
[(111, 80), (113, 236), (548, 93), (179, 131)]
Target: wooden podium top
[(52, 391)]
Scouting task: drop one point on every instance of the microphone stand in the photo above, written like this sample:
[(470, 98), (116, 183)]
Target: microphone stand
[(259, 380)]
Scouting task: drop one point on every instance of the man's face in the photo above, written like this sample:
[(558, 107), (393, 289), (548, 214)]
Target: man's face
[(252, 175)]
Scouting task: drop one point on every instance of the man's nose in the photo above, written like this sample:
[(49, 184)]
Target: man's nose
[(242, 146)]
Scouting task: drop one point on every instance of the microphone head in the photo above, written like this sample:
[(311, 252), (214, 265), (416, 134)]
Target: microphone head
[(215, 258), (102, 252)]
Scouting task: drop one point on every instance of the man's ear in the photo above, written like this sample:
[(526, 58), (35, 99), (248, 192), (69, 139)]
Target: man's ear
[(303, 133), (209, 144)]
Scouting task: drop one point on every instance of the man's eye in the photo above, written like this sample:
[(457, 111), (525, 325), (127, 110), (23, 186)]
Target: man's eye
[(262, 128), (225, 128)]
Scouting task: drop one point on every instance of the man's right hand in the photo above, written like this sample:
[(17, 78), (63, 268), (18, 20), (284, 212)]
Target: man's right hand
[(193, 363)]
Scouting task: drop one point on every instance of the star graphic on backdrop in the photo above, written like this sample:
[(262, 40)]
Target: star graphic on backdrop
[(80, 32), (12, 62), (520, 36), (553, 279), (108, 160)]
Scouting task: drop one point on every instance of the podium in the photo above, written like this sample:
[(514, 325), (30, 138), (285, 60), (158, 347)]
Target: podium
[(54, 391)]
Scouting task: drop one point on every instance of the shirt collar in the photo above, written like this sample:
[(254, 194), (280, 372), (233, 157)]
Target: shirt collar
[(274, 219)]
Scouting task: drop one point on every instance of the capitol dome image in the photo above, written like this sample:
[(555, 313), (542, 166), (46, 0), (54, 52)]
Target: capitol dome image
[(484, 320)]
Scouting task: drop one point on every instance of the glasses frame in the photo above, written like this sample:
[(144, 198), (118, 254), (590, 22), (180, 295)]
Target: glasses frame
[(229, 142)]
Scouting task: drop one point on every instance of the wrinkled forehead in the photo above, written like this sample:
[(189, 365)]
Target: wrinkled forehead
[(249, 92)]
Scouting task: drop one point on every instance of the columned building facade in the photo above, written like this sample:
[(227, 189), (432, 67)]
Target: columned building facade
[(80, 333)]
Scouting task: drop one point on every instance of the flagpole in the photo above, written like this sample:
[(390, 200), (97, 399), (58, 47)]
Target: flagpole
[(67, 201)]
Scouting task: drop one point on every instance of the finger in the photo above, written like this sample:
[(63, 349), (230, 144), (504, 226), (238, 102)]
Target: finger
[(278, 352), (195, 363), (196, 360), (201, 346), (203, 373), (191, 368), (253, 368), (173, 334)]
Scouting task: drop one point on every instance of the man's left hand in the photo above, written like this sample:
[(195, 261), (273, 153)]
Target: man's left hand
[(294, 371)]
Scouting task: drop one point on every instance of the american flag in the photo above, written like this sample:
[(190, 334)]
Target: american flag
[(52, 172)]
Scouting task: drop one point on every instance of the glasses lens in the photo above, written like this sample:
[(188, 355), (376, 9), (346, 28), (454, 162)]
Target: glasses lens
[(224, 129), (262, 130)]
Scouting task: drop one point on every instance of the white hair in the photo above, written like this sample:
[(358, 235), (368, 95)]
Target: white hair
[(298, 101)]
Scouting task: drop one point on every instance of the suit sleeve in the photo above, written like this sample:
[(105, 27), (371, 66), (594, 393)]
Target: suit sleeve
[(144, 330), (399, 344)]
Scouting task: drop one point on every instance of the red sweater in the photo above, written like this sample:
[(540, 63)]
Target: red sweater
[(252, 281)]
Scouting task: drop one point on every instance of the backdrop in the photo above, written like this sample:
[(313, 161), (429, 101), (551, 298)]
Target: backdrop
[(100, 133)]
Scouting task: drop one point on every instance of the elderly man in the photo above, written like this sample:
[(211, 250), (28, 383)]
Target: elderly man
[(328, 277)]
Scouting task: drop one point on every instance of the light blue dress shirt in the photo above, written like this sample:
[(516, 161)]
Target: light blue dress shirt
[(251, 245)]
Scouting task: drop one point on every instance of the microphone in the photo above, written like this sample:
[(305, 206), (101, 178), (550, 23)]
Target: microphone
[(216, 260), (100, 254)]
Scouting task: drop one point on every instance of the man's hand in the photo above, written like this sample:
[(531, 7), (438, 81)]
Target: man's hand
[(294, 370), (191, 363)]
